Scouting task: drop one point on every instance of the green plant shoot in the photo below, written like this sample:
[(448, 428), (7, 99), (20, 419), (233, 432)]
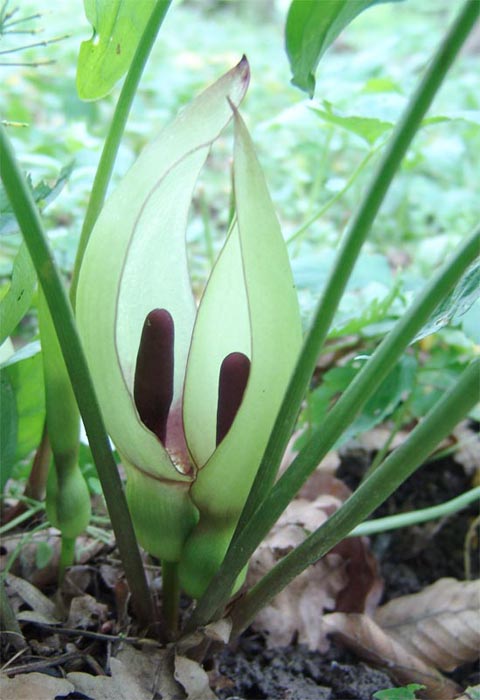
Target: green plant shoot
[(189, 396)]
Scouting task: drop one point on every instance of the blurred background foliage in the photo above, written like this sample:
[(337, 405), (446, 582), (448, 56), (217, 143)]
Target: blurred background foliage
[(317, 156)]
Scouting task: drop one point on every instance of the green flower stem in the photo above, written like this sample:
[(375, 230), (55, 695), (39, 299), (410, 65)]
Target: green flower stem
[(401, 464), (325, 436), (171, 596), (61, 312), (350, 249), (67, 556), (115, 133), (393, 522)]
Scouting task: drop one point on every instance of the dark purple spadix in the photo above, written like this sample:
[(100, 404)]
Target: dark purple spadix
[(233, 379), (153, 385)]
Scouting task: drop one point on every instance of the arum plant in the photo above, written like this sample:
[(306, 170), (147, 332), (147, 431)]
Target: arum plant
[(189, 396)]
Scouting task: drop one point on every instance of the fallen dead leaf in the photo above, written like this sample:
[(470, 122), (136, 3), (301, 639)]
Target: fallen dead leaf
[(468, 453), (34, 686), (86, 612), (367, 639), (136, 675), (441, 624), (193, 679), (413, 636), (42, 608), (347, 575)]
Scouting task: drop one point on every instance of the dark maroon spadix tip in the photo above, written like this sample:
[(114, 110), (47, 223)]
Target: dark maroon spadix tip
[(153, 384), (234, 373)]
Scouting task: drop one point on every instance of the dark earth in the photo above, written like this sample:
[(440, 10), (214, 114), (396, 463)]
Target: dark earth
[(409, 560)]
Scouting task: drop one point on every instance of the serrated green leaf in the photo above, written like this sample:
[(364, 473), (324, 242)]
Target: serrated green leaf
[(367, 128), (311, 28), (105, 58), (457, 303), (17, 300), (42, 193)]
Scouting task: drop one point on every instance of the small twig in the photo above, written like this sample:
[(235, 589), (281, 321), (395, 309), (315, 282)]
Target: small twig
[(96, 635), (45, 663), (35, 44)]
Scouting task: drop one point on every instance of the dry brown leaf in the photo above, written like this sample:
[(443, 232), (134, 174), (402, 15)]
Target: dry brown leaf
[(440, 625), (413, 636), (298, 608), (86, 612), (34, 686), (368, 640), (193, 679), (468, 454), (153, 671), (349, 568), (42, 606)]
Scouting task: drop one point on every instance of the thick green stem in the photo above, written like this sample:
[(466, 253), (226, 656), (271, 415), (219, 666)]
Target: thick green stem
[(243, 544), (62, 316), (401, 464), (115, 133), (67, 556)]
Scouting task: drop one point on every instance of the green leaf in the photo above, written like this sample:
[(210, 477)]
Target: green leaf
[(17, 300), (382, 404), (473, 692), (42, 193), (311, 28), (8, 428), (105, 58), (408, 692), (25, 374), (367, 128), (458, 302)]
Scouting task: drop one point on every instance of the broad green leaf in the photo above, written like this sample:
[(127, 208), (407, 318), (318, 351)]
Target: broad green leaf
[(8, 428), (312, 26), (367, 128), (458, 302), (105, 58), (136, 261), (25, 374), (17, 300)]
